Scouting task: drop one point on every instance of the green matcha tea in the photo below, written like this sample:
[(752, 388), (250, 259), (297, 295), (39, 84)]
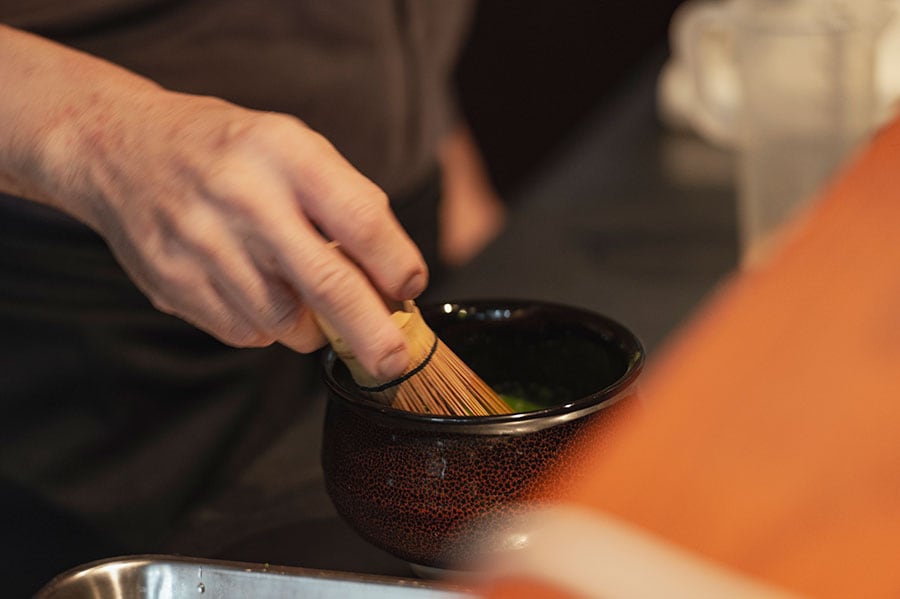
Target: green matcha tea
[(530, 397), (520, 404)]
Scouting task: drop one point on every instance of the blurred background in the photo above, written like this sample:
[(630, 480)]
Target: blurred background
[(532, 73), (648, 150), (609, 210)]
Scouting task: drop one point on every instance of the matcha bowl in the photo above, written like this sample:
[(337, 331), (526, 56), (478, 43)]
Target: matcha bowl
[(423, 487)]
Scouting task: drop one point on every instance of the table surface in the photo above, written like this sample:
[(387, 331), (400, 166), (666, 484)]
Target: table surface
[(628, 219)]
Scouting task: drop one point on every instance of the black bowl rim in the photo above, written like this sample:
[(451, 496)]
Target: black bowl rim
[(506, 423)]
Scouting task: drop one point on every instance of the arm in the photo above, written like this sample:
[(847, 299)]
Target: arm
[(472, 214), (212, 209)]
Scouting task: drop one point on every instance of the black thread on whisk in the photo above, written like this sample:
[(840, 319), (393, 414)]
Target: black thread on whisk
[(404, 377)]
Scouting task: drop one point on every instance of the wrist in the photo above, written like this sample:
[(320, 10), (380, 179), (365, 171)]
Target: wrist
[(58, 119), (86, 143)]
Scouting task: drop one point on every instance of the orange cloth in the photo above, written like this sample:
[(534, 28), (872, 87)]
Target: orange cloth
[(770, 442)]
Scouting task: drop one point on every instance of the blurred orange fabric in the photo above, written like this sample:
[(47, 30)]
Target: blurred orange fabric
[(770, 442)]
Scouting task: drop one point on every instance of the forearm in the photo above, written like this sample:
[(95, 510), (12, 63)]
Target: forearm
[(58, 110)]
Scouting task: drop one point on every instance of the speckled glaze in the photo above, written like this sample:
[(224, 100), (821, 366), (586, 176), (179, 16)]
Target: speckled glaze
[(423, 487)]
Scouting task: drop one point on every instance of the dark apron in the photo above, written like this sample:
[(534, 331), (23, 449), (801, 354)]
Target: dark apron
[(116, 419)]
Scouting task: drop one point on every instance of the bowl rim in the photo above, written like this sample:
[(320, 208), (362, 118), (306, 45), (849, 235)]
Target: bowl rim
[(519, 422)]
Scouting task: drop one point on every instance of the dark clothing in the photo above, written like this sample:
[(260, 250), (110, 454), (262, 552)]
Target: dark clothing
[(115, 418), (111, 409), (372, 76)]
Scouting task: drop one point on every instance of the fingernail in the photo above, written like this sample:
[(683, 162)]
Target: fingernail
[(414, 286), (393, 365)]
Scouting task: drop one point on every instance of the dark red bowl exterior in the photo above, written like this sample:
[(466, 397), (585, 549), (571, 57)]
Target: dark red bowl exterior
[(418, 486)]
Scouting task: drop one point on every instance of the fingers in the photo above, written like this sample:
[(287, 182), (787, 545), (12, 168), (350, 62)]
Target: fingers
[(305, 335), (301, 271), (251, 289), (203, 306), (198, 268), (260, 298), (221, 290), (334, 287), (353, 210)]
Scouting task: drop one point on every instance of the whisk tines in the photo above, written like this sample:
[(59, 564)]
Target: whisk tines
[(436, 381)]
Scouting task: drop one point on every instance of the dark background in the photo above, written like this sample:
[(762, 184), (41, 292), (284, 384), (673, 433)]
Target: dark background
[(532, 70)]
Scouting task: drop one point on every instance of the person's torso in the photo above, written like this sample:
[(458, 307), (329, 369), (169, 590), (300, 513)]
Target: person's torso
[(371, 75)]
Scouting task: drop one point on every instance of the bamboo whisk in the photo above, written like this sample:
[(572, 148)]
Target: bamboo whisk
[(436, 381)]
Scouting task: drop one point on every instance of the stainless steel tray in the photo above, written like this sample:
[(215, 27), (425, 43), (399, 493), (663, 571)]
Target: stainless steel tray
[(170, 577)]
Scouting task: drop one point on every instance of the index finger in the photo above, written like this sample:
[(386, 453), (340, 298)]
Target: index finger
[(334, 287), (354, 211)]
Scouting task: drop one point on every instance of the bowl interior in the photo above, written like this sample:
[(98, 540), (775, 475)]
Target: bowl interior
[(539, 356)]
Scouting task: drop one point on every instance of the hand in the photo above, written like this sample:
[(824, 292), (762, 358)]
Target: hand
[(221, 215), (215, 212)]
